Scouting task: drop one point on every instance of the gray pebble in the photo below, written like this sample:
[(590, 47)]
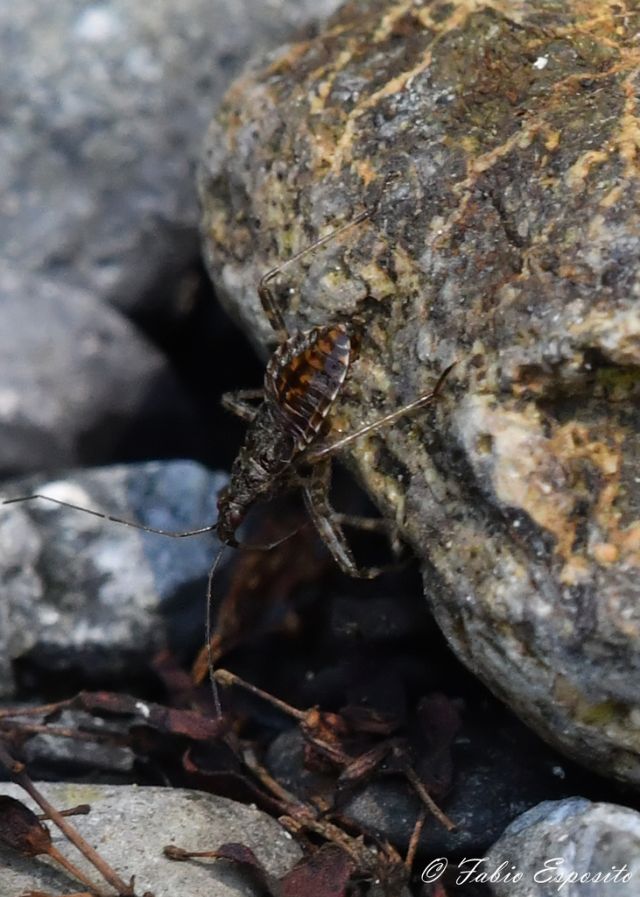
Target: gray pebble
[(109, 103), (129, 826)]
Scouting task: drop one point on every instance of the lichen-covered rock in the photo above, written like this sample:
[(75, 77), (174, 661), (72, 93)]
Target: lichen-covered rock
[(570, 847), (496, 144)]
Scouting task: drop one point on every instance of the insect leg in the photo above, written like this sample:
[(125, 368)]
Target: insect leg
[(367, 524), (373, 525), (316, 498), (265, 292), (313, 455), (238, 402), (270, 306)]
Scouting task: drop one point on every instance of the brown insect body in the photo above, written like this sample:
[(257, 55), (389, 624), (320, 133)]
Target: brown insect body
[(302, 381), (285, 444)]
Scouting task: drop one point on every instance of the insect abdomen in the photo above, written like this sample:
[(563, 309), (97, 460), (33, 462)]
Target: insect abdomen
[(304, 377)]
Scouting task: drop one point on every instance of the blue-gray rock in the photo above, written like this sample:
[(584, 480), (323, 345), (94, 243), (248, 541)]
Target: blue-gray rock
[(572, 847), (105, 108), (131, 825), (80, 592)]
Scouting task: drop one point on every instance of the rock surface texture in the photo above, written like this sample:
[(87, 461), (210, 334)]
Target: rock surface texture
[(130, 827), (76, 378), (571, 847), (105, 107), (111, 100), (496, 145)]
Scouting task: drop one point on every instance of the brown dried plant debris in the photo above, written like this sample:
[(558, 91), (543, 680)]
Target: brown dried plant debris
[(259, 597), (325, 873), (21, 830)]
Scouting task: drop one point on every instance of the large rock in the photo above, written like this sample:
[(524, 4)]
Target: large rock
[(496, 147), (570, 847), (129, 826), (108, 105), (80, 593)]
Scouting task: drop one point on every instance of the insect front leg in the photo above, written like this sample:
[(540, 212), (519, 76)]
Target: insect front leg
[(270, 305), (265, 291), (238, 402), (327, 522)]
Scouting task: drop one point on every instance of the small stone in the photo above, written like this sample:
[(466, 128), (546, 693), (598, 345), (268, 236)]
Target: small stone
[(130, 826), (52, 757)]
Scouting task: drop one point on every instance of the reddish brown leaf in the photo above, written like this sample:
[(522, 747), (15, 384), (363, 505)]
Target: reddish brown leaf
[(251, 865), (21, 829), (326, 873), (259, 596), (233, 783), (363, 766), (155, 716)]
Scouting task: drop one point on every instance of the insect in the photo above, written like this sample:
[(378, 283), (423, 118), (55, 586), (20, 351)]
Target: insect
[(287, 444)]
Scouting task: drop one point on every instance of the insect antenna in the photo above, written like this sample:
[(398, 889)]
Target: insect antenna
[(210, 662), (249, 546), (147, 529)]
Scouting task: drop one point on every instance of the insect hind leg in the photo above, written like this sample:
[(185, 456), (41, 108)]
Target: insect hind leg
[(329, 523), (322, 451)]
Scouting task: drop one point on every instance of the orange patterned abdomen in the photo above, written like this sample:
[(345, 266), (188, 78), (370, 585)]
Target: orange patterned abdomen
[(304, 377)]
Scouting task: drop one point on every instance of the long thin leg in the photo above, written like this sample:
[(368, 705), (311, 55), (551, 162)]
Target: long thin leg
[(269, 304), (312, 456), (238, 402), (267, 297), (316, 499)]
